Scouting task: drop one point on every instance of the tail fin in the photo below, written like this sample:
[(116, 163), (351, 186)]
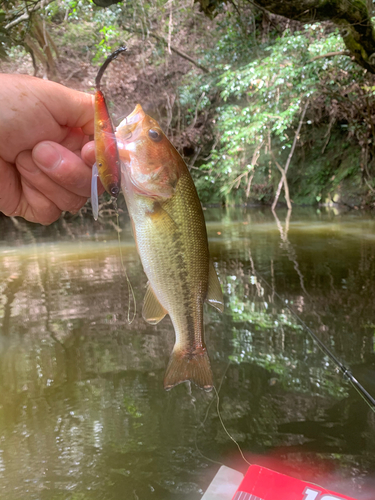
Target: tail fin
[(193, 366)]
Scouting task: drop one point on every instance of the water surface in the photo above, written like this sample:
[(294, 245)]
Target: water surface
[(83, 413)]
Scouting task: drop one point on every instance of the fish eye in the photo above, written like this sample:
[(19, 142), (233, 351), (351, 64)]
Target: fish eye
[(155, 135)]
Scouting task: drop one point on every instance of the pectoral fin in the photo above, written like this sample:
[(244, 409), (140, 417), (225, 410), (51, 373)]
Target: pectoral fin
[(214, 294), (152, 311), (162, 219)]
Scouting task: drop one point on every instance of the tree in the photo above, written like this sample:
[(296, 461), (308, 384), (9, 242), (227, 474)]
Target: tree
[(352, 17)]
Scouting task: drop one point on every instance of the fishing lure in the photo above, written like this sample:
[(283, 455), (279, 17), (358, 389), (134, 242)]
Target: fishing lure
[(107, 166)]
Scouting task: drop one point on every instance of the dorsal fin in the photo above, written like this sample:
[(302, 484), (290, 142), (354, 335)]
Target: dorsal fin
[(214, 293), (152, 311)]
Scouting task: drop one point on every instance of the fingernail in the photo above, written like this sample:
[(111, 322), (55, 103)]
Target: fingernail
[(46, 155)]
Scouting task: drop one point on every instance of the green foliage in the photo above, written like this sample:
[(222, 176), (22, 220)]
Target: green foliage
[(110, 35), (262, 86), (260, 78), (4, 39), (91, 27), (84, 25), (5, 36), (262, 101)]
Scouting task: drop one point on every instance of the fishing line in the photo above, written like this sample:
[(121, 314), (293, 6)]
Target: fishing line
[(212, 400), (201, 424), (344, 370), (130, 288), (193, 401), (225, 429)]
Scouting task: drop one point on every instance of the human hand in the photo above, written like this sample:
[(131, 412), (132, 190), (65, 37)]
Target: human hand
[(43, 127)]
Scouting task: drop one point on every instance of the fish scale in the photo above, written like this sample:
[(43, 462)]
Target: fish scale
[(171, 236), (162, 247)]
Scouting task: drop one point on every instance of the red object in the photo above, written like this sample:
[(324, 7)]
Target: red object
[(260, 483)]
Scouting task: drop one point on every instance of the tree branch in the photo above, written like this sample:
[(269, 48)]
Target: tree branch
[(284, 170), (18, 20), (174, 49), (331, 54), (26, 14), (180, 53), (284, 181), (352, 17)]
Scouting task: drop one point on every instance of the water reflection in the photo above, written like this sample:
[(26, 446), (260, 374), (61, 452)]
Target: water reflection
[(83, 413)]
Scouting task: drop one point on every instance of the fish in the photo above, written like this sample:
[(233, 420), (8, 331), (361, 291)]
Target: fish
[(107, 166), (171, 238)]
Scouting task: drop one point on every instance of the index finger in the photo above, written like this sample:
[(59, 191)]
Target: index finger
[(68, 107)]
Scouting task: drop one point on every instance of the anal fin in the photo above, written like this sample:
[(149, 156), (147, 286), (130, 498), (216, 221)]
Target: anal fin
[(214, 293), (152, 310)]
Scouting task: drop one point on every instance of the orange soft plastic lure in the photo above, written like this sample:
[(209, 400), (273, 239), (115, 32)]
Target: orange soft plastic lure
[(107, 166)]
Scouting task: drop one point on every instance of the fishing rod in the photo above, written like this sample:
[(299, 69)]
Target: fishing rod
[(344, 370)]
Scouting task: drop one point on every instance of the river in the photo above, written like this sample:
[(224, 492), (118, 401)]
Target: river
[(83, 412)]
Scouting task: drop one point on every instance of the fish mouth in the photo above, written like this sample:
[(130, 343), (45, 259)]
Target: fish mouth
[(129, 129)]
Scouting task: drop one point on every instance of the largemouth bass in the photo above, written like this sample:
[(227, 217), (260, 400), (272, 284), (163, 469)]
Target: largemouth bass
[(171, 237)]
